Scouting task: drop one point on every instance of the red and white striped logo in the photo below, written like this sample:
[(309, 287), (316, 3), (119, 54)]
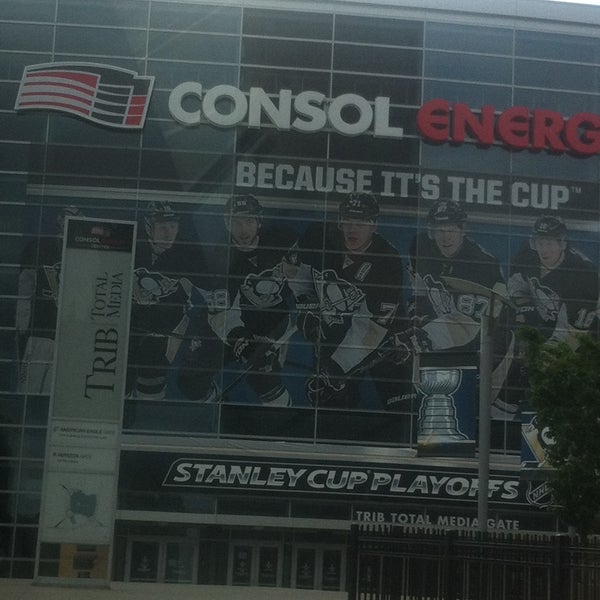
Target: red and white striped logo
[(106, 95)]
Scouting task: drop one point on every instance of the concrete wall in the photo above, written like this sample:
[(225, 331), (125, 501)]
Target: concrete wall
[(18, 589)]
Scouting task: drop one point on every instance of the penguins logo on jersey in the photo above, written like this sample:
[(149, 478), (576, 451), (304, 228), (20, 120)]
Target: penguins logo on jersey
[(546, 300), (440, 298), (338, 297), (150, 287), (264, 289)]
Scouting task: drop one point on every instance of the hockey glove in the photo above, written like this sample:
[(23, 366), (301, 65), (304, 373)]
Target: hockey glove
[(400, 346), (250, 349), (327, 388)]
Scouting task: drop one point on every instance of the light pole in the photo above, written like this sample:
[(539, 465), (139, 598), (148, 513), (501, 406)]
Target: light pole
[(486, 346)]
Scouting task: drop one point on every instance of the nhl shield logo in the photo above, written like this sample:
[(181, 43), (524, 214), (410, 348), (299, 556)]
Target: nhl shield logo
[(110, 96)]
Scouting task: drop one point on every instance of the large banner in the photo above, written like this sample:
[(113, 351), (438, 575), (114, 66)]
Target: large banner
[(80, 479), (331, 310)]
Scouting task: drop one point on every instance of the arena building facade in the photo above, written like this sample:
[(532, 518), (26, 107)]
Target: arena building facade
[(296, 193)]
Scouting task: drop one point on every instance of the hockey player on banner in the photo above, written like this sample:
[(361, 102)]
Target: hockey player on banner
[(350, 305), (444, 319), (36, 311), (555, 288), (258, 325), (170, 315)]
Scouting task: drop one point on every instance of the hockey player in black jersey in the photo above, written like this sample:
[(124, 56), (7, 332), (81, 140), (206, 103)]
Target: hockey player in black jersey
[(170, 330), (356, 304), (36, 312), (554, 286), (258, 323), (555, 289), (446, 319)]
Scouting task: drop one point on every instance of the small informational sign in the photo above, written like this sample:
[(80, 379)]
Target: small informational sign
[(82, 458)]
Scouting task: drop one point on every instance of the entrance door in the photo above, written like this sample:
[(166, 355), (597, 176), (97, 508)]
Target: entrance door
[(255, 564), (161, 560), (318, 567)]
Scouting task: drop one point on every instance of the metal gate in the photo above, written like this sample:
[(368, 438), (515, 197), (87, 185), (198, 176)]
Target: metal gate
[(404, 564)]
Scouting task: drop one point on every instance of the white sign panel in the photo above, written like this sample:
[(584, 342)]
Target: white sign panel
[(80, 481)]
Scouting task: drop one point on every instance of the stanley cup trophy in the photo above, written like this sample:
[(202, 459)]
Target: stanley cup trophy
[(438, 431)]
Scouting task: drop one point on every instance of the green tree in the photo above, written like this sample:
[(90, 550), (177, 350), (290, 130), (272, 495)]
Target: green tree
[(564, 390)]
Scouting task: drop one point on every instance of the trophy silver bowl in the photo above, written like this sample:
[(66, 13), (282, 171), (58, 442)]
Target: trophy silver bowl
[(437, 421)]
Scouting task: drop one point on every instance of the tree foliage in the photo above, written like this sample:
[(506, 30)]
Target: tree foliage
[(564, 390)]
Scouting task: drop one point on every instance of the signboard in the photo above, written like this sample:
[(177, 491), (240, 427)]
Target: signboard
[(79, 491), (170, 472)]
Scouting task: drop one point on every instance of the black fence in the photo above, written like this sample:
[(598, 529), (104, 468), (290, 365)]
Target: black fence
[(404, 564)]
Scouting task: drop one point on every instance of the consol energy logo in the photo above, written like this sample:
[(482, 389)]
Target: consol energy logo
[(308, 112), (517, 127)]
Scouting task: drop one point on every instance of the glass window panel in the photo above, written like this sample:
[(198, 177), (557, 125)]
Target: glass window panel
[(466, 157), (170, 135), (470, 93), (556, 46), (25, 541), (286, 53), (378, 31), (125, 63), (194, 17), (469, 38), (31, 476), (8, 503), (268, 559), (13, 63), (11, 410), (27, 10), (185, 166), (273, 80), (9, 474), (67, 130), (101, 42), (398, 90), (23, 569), (467, 67), (270, 142), (372, 59), (169, 74), (179, 563), (241, 565), (561, 76), (8, 93), (279, 23), (563, 102), (367, 148), (144, 561), (193, 46), (286, 423), (133, 13), (571, 168), (305, 568), (112, 162), (10, 442), (35, 38), (37, 410), (331, 572), (28, 508), (390, 428), (34, 442)]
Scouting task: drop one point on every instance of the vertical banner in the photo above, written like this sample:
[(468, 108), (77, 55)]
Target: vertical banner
[(81, 468)]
